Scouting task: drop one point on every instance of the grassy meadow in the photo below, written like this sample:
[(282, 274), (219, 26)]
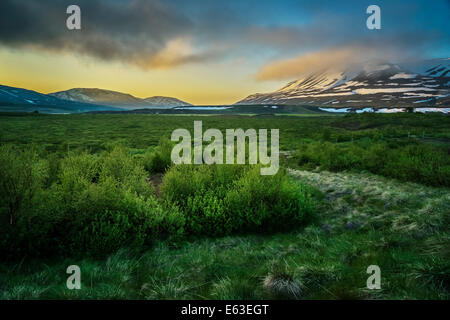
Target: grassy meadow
[(100, 191)]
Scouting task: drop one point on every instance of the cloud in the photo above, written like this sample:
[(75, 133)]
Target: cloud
[(146, 33), (304, 64), (176, 52), (343, 58), (164, 34)]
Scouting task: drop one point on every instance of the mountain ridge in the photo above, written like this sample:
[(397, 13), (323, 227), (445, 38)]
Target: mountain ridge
[(13, 99), (376, 85), (17, 99), (116, 98)]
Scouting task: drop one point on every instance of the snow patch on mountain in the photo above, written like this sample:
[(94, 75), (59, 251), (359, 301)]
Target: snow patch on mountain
[(367, 86), (403, 75)]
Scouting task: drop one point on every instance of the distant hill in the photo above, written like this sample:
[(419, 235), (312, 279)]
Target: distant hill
[(116, 99), (21, 100), (165, 101), (78, 100), (377, 85)]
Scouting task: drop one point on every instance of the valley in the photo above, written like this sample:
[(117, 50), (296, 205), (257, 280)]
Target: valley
[(354, 190)]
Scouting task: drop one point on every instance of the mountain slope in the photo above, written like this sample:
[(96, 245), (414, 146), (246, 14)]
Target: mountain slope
[(100, 96), (117, 99), (165, 101), (18, 100), (11, 95), (375, 85)]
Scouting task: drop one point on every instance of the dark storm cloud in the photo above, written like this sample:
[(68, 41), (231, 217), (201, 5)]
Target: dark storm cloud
[(120, 30)]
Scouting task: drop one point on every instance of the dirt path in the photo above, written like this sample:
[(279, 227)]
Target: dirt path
[(155, 181)]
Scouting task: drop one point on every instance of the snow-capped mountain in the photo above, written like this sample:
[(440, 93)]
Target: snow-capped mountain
[(374, 85), (117, 99)]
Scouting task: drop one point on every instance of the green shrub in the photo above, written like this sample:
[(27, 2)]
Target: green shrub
[(96, 205), (112, 204), (267, 203), (77, 172), (183, 181), (159, 160), (21, 176), (226, 199), (129, 221), (125, 171)]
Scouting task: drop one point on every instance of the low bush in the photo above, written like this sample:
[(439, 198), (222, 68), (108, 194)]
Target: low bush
[(22, 175), (96, 205), (226, 199), (93, 204), (158, 160)]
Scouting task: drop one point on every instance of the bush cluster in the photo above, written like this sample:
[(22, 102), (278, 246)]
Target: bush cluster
[(93, 204), (158, 160), (225, 199), (96, 204)]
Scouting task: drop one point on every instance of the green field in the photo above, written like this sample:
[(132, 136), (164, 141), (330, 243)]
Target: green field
[(99, 191)]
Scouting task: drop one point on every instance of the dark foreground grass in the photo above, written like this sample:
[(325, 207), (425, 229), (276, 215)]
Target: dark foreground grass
[(403, 228), (318, 267)]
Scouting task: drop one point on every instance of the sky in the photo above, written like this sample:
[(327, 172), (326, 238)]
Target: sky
[(207, 52)]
